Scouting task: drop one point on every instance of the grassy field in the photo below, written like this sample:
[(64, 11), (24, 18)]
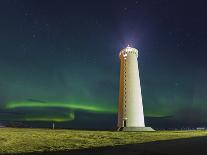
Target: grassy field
[(17, 140)]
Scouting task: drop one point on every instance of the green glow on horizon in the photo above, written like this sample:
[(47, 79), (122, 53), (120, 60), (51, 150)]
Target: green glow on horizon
[(156, 115), (163, 112), (30, 104), (70, 117)]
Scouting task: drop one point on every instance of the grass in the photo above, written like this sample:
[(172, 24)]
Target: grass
[(19, 140)]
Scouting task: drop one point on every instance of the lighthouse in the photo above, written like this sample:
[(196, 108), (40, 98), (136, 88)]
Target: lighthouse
[(130, 108)]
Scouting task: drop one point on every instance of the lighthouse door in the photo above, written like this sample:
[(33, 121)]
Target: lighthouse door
[(124, 123)]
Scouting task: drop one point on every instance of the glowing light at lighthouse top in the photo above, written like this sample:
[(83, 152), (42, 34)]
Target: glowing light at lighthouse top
[(124, 52)]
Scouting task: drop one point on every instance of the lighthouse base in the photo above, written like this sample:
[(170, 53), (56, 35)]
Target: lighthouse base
[(135, 129)]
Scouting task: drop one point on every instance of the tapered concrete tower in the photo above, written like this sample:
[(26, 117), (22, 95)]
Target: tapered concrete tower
[(130, 113)]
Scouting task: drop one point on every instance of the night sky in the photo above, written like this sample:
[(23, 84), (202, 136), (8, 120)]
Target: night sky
[(59, 61)]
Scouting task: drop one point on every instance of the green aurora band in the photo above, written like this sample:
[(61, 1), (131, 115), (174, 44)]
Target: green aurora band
[(74, 107), (71, 106)]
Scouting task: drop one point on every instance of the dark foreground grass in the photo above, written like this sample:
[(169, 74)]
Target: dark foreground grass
[(26, 141)]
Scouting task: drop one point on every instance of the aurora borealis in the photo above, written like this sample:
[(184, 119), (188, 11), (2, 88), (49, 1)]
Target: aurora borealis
[(59, 60), (75, 106)]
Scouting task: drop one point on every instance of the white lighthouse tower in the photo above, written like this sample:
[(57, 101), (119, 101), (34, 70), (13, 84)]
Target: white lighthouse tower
[(130, 112)]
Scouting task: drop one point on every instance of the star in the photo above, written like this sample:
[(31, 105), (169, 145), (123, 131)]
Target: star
[(34, 36)]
